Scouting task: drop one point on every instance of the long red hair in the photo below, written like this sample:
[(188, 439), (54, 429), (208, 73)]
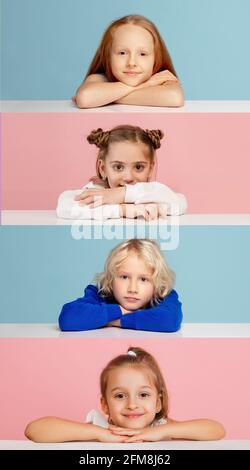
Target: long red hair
[(101, 61)]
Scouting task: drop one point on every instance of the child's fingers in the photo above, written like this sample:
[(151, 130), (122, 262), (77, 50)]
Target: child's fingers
[(78, 197), (87, 193), (125, 432), (86, 201), (138, 438), (98, 201), (92, 201), (113, 438), (141, 211), (163, 214), (118, 439), (152, 212), (83, 195), (113, 427)]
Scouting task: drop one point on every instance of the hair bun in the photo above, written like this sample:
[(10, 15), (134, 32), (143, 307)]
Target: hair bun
[(99, 137), (155, 135)]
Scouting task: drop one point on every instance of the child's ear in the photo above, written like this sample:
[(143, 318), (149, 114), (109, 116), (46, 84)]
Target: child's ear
[(151, 170), (101, 167), (158, 404), (104, 406)]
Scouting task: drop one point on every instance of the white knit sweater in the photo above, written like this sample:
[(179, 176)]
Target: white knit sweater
[(139, 193)]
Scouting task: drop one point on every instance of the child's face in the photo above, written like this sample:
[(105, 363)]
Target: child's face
[(132, 54), (132, 285), (126, 163), (132, 400)]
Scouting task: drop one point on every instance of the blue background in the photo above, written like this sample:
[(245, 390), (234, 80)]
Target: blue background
[(48, 44), (44, 267)]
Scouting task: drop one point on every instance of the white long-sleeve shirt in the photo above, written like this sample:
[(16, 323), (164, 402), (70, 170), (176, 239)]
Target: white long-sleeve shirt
[(139, 193)]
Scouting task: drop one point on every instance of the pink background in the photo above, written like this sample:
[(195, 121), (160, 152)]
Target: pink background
[(42, 377), (205, 156)]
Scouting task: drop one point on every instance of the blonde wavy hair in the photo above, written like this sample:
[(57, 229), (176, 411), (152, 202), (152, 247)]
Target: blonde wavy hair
[(163, 277)]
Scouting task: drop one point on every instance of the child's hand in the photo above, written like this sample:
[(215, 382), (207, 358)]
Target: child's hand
[(156, 433), (73, 99), (98, 197), (159, 78), (124, 310), (151, 211), (163, 210), (97, 180), (114, 323), (148, 211), (105, 435)]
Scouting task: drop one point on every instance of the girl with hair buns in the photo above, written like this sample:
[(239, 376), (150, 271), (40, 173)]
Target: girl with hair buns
[(134, 400), (131, 66), (134, 291), (125, 163)]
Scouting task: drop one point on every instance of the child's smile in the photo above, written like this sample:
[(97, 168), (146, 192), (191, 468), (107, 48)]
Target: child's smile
[(132, 55), (132, 400)]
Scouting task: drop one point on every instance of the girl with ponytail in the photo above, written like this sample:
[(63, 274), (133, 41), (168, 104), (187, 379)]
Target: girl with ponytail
[(134, 400)]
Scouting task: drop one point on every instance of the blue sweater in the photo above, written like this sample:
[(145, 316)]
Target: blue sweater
[(93, 311)]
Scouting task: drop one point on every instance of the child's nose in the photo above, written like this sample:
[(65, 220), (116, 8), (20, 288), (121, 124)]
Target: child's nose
[(133, 286), (128, 178), (132, 403), (131, 60)]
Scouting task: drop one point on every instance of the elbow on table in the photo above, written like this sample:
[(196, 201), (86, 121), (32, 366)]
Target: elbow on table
[(38, 430), (221, 432), (172, 327), (65, 319), (174, 96), (32, 431), (215, 431), (83, 99)]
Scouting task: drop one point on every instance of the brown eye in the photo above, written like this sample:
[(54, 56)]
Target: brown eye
[(119, 396), (139, 167), (118, 167)]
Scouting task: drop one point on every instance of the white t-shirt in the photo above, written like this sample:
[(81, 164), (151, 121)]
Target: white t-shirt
[(140, 193), (97, 418)]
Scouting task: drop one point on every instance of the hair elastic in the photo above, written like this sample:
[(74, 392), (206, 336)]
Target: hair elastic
[(131, 353)]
